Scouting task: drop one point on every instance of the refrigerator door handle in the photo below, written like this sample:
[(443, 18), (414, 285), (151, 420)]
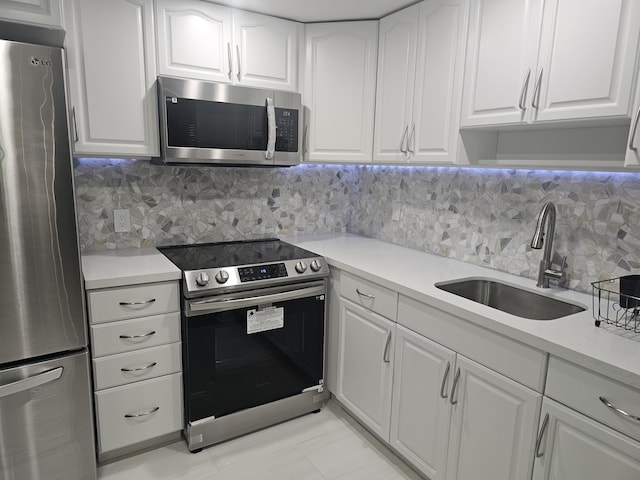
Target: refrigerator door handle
[(31, 382)]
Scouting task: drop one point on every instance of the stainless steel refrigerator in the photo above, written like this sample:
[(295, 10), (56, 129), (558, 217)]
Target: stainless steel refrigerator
[(46, 429)]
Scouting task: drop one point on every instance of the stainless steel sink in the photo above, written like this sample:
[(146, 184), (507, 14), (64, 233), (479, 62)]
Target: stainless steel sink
[(510, 299)]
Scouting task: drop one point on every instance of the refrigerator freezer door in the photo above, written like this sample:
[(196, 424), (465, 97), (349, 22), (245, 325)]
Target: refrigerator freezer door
[(41, 309), (45, 421)]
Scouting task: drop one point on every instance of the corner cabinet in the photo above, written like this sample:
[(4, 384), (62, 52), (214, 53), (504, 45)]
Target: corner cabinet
[(201, 40), (339, 91), (421, 57), (112, 72), (539, 61), (41, 12)]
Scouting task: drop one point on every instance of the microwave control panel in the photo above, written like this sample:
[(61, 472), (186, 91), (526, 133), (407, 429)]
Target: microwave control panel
[(286, 130)]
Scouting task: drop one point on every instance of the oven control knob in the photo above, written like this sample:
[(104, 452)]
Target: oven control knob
[(301, 267), (316, 266), (202, 279), (222, 276)]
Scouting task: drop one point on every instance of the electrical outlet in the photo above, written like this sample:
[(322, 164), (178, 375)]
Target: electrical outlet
[(121, 221)]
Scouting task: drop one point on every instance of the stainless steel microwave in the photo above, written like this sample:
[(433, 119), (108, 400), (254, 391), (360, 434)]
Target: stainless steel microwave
[(212, 123)]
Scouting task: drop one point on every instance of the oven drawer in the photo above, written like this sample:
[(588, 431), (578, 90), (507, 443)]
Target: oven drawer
[(135, 366), (129, 335), (581, 390), (134, 413), (369, 295), (133, 301)]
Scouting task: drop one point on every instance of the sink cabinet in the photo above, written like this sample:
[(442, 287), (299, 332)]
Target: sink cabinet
[(539, 61)]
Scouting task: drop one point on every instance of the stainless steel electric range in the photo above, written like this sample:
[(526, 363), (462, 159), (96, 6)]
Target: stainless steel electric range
[(253, 323)]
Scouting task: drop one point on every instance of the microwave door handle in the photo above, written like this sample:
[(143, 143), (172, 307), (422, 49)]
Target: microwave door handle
[(271, 123)]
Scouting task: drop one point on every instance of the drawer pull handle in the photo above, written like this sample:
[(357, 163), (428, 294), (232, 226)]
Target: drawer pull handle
[(365, 295), (137, 369), (618, 411), (455, 386), (444, 381), (142, 335), (385, 355), (130, 304), (540, 435), (142, 414)]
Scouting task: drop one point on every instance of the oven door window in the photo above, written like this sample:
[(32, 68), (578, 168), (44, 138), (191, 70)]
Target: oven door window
[(229, 369)]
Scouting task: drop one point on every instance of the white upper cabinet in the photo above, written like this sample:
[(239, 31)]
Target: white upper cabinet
[(536, 60), (45, 12), (198, 39), (419, 82), (587, 59), (339, 91), (194, 40), (112, 72)]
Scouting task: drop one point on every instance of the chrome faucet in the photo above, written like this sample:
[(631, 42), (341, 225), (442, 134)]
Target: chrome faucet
[(547, 216)]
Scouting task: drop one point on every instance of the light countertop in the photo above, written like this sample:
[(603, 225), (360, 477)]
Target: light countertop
[(116, 268), (413, 273)]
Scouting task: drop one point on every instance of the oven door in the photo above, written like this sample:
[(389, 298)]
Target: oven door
[(249, 349)]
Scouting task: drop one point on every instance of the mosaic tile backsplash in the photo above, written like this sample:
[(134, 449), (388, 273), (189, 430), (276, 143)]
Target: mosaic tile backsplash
[(485, 217)]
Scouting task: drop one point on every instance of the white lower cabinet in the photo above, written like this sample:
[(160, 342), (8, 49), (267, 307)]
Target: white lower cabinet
[(364, 366), (573, 446)]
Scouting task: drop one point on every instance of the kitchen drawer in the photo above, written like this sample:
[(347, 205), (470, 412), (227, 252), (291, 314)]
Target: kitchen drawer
[(107, 338), (512, 359), (369, 295), (158, 402), (581, 389), (133, 301), (134, 366)]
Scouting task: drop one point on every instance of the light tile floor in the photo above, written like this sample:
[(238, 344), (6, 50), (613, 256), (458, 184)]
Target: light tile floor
[(324, 446)]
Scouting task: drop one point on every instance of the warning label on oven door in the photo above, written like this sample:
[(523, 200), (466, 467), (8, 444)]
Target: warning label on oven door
[(263, 320)]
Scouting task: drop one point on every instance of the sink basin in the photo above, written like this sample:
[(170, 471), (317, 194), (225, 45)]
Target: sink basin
[(510, 299)]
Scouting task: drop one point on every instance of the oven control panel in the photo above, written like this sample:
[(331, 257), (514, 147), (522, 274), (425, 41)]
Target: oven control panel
[(227, 279), (262, 272)]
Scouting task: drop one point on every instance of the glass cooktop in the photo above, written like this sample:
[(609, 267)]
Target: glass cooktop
[(200, 256)]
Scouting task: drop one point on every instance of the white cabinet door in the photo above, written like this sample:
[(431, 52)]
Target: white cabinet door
[(422, 378), (493, 425), (433, 133), (365, 366), (396, 75), (45, 12), (587, 58), (576, 447), (112, 72), (266, 51), (500, 62), (339, 91), (194, 40)]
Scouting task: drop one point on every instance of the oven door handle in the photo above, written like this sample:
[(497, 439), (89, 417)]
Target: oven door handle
[(213, 305)]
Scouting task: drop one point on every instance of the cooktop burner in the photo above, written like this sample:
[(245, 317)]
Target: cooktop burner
[(209, 268)]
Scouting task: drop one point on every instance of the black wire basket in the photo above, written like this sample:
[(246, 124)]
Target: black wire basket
[(617, 302)]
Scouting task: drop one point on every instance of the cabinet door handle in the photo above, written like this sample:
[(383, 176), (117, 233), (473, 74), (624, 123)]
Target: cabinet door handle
[(626, 415), (385, 356), (305, 140), (444, 381), (535, 98), (402, 140), (523, 91), (75, 124), (131, 304), (230, 57), (366, 295), (142, 335), (410, 140), (541, 435), (634, 130), (454, 400), (142, 414), (239, 63), (138, 369)]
